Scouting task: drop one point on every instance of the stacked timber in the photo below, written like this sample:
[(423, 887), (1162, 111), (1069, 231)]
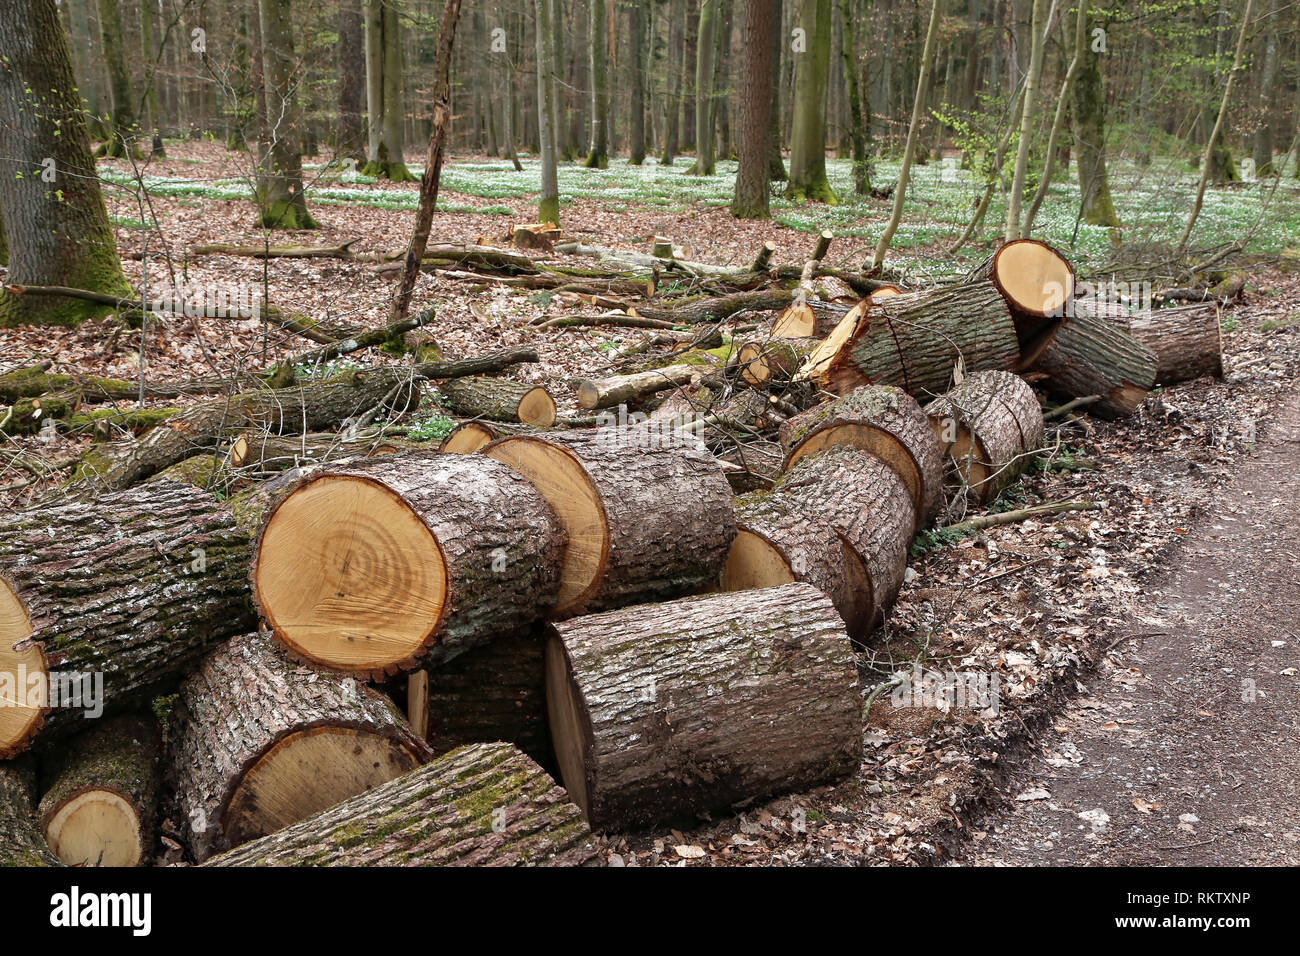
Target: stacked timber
[(660, 712)]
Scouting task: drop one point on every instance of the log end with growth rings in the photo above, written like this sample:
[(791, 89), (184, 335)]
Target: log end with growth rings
[(23, 671), (1033, 277), (96, 828)]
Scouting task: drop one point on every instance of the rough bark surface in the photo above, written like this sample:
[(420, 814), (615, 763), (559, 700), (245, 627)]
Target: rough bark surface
[(1093, 355), (244, 699), (468, 437), (914, 341), (485, 805), (699, 703), (864, 500), (495, 398), (21, 843), (136, 587), (501, 542), (881, 419), (1187, 342)]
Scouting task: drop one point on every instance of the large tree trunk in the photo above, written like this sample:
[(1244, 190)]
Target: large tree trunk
[(374, 567), (648, 516), (701, 703), (636, 80), (859, 117), (863, 499), (257, 744), (52, 214), (21, 842), (1093, 355), (1037, 283), (351, 136), (281, 200), (808, 143), (101, 802), (1187, 342), (989, 428), (1089, 116), (486, 805), (759, 19), (887, 423), (914, 341), (704, 112), (104, 605)]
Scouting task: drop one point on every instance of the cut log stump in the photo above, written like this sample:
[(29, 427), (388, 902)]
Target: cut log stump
[(884, 421), (863, 499), (469, 437), (258, 743), (499, 399), (1093, 355), (485, 805), (772, 364), (104, 606), (648, 516), (808, 319), (101, 805), (914, 341), (989, 428), (660, 712), (372, 567), (1037, 283), (778, 543)]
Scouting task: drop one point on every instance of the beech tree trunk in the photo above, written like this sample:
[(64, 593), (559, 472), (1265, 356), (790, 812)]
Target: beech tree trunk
[(865, 501), (373, 567), (258, 743), (701, 703), (548, 206), (1093, 355), (1089, 116), (989, 427), (281, 200), (101, 802), (648, 516), (499, 398), (103, 606), (1187, 342), (468, 437), (759, 20), (351, 137), (808, 142), (1037, 283), (486, 805), (885, 422), (704, 53), (597, 40)]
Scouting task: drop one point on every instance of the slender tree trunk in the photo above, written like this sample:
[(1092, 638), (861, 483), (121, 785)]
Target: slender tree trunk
[(808, 143), (282, 202), (150, 56), (87, 65), (351, 139), (637, 61), (508, 91), (1090, 142), (904, 171), (374, 14), (548, 207), (676, 54), (776, 163), (859, 126), (1029, 110), (52, 214), (722, 82), (759, 19), (1058, 121), (704, 53), (598, 153), (1263, 151), (123, 130)]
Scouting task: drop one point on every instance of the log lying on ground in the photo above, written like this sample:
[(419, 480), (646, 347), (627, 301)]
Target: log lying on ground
[(773, 363), (371, 567), (105, 604), (34, 381), (863, 499), (257, 743), (716, 308), (499, 399), (67, 414), (101, 805), (1037, 283), (488, 364), (495, 691), (989, 428), (623, 389), (649, 516), (778, 543), (263, 454), (485, 805), (1093, 355), (1187, 341), (317, 405), (885, 422), (21, 843), (660, 712), (468, 437), (914, 340), (808, 319), (342, 251)]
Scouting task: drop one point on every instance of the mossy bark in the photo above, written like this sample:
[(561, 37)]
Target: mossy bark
[(282, 203), (21, 843), (808, 143), (1089, 117), (598, 153)]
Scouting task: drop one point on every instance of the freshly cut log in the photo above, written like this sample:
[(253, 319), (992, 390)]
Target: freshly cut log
[(1187, 341), (808, 319), (773, 363), (884, 421), (370, 567), (469, 437), (648, 516), (101, 806), (660, 712), (914, 341), (485, 805), (621, 389), (499, 399), (777, 543), (1035, 279), (106, 605), (257, 743), (863, 499), (21, 843), (263, 454), (496, 691), (989, 428), (203, 427), (1093, 355), (535, 235)]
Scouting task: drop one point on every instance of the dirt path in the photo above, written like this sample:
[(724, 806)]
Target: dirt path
[(1184, 745)]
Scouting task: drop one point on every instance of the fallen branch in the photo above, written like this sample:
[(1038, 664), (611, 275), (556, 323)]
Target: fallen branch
[(981, 522)]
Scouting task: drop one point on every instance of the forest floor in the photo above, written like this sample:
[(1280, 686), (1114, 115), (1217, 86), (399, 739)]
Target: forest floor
[(1053, 610)]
